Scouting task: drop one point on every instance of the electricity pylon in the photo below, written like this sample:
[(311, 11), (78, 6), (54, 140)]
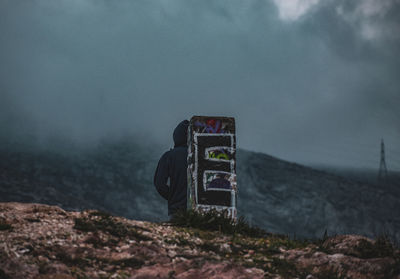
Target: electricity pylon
[(382, 176)]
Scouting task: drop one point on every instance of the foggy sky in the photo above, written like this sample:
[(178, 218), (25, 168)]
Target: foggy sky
[(309, 81)]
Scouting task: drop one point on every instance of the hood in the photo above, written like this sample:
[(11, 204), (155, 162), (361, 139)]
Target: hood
[(180, 133)]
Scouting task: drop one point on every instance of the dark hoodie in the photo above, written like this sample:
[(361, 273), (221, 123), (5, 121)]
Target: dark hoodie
[(173, 165)]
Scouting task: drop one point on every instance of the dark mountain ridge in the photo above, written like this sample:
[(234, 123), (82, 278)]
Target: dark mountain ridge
[(307, 201), (276, 195)]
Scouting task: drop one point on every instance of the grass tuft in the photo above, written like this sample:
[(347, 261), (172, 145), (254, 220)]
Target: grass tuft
[(216, 221)]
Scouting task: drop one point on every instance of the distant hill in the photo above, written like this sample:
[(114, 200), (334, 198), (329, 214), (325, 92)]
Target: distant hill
[(290, 198), (276, 195), (111, 176), (389, 183)]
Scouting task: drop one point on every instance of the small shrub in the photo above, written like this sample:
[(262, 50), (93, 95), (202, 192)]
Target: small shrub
[(243, 227), (382, 247), (216, 221)]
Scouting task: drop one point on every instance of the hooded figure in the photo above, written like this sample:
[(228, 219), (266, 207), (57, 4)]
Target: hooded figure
[(173, 165)]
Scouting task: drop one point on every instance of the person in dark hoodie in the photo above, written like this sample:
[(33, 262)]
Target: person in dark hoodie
[(173, 165)]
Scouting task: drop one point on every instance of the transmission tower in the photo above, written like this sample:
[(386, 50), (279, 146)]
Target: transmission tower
[(382, 176)]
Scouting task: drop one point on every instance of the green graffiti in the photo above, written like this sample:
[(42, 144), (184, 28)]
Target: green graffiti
[(218, 155), (222, 156)]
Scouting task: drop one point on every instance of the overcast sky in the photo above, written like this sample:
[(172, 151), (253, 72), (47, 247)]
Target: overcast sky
[(309, 81)]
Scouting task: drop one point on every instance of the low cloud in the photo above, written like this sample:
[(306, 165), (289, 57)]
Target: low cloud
[(373, 19), (303, 80), (290, 10)]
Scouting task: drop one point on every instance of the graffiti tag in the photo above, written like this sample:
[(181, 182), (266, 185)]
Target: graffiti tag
[(211, 126)]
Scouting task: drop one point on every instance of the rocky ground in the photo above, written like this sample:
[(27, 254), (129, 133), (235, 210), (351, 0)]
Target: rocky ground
[(41, 241)]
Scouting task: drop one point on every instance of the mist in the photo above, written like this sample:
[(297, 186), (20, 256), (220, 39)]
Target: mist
[(310, 81)]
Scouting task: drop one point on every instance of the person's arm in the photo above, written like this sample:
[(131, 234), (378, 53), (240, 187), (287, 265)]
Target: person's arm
[(161, 176)]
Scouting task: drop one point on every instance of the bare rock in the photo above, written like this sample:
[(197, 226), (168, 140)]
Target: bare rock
[(41, 241)]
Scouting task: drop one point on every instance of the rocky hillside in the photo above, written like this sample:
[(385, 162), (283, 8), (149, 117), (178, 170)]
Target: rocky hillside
[(277, 195), (41, 241), (116, 177), (297, 200)]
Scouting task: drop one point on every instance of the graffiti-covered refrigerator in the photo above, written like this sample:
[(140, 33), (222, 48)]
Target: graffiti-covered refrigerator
[(212, 164)]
